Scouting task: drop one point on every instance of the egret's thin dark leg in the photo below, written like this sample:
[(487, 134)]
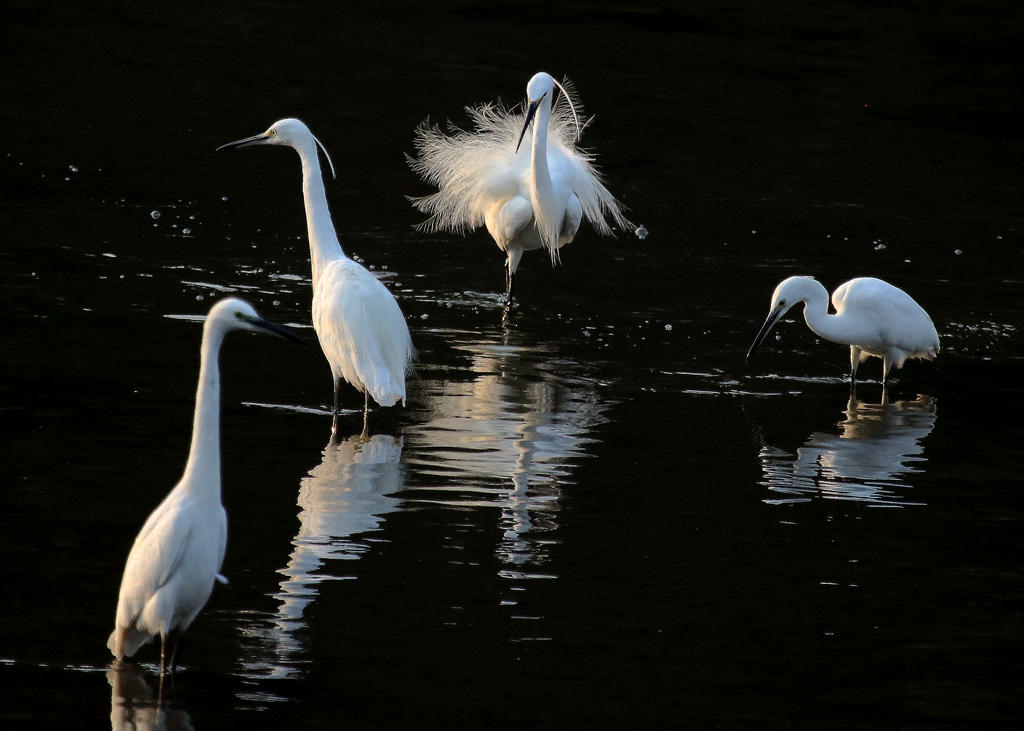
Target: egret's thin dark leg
[(509, 277), (163, 655), (507, 311), (886, 369), (334, 419), (179, 640), (366, 412)]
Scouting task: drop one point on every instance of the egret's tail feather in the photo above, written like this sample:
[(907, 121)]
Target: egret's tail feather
[(126, 641)]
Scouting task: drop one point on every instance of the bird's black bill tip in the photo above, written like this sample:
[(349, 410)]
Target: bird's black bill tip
[(254, 140), (766, 328), (281, 332)]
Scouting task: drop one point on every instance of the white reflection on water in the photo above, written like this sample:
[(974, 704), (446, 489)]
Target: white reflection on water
[(877, 446), (343, 497), (132, 705), (504, 439), (500, 437)]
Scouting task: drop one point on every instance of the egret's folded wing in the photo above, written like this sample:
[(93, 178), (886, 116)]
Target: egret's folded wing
[(155, 556)]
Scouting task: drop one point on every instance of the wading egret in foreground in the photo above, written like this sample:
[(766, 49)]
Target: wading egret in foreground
[(361, 329), (177, 555), (872, 317), (528, 196)]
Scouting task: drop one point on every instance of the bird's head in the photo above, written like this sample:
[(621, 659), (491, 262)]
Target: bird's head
[(540, 87), (787, 293), (290, 132), (237, 314)]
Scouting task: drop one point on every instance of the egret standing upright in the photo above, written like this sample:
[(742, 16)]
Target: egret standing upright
[(177, 555), (873, 317), (361, 328), (527, 197)]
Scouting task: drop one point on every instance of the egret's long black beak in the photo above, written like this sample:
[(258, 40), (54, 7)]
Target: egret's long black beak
[(769, 323), (277, 330), (254, 140), (530, 112)]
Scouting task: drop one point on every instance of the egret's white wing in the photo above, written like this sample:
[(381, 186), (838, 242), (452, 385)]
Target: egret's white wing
[(156, 555), (362, 329), (577, 168), (576, 165), (901, 322)]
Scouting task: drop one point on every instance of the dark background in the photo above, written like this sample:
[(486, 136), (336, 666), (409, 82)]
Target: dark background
[(600, 515)]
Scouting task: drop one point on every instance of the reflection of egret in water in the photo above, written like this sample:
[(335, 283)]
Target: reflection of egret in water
[(132, 705), (876, 447), (342, 497), (503, 439)]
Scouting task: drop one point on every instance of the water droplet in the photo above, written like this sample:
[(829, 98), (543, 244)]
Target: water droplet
[(641, 232), (199, 298), (276, 303), (424, 316), (186, 231), (154, 215), (879, 246), (668, 328), (958, 252), (72, 168), (224, 198)]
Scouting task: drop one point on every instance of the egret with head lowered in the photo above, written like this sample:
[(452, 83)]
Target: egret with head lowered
[(361, 328), (873, 317), (529, 196), (178, 553)]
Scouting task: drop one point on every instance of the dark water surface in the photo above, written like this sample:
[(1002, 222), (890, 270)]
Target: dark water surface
[(599, 516)]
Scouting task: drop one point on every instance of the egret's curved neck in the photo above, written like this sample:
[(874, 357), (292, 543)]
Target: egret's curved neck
[(542, 191), (835, 328), (323, 241), (202, 471)]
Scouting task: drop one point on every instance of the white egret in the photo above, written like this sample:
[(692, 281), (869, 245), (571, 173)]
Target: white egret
[(361, 328), (527, 197), (178, 553), (873, 317)]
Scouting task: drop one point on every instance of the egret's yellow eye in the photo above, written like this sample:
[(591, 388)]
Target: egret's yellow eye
[(273, 133)]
